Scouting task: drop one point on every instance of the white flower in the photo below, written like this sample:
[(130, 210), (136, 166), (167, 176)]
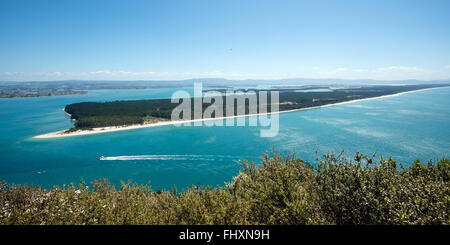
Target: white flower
[(78, 192)]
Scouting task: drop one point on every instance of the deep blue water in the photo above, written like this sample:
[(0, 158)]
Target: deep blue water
[(410, 126)]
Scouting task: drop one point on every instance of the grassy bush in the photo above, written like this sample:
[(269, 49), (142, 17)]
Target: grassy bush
[(282, 190)]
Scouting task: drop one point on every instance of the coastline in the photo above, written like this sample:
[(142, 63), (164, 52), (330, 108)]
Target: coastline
[(61, 134)]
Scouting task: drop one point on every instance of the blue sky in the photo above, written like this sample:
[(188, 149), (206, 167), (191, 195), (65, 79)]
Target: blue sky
[(58, 40)]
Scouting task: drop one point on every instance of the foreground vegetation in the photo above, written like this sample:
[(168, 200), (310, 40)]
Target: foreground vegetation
[(282, 190)]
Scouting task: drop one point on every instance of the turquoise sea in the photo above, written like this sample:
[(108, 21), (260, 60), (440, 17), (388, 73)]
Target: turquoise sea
[(408, 127)]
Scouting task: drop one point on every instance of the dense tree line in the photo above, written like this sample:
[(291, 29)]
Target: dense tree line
[(119, 113), (281, 190)]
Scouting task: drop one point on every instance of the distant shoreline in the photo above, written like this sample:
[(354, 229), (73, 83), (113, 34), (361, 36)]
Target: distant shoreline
[(61, 134)]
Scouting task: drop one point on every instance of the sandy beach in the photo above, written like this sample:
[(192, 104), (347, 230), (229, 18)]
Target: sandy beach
[(61, 134)]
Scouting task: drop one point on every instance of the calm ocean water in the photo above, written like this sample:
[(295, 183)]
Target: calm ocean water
[(410, 126)]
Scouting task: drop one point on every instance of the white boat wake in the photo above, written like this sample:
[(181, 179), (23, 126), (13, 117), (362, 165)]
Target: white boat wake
[(163, 157)]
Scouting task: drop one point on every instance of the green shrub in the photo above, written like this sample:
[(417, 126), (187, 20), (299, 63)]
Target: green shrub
[(281, 190)]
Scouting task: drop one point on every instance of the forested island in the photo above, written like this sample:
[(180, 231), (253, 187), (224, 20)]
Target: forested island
[(88, 115)]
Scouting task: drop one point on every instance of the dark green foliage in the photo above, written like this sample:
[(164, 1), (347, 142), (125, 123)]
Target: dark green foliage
[(118, 113), (357, 193), (282, 190)]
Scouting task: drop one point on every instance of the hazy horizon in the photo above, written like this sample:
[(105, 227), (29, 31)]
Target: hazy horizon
[(301, 80)]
